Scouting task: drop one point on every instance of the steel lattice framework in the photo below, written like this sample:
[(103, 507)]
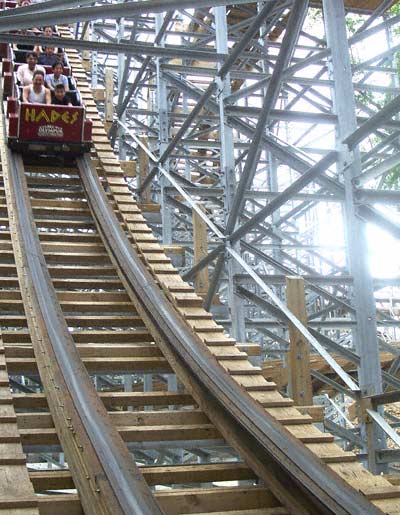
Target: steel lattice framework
[(259, 128)]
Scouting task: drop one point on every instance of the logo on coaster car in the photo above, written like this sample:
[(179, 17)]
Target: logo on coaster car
[(51, 123), (51, 131), (37, 115)]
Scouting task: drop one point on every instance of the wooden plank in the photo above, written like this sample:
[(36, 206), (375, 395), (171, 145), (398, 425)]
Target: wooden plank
[(124, 418), (113, 399), (215, 499), (68, 504), (258, 511), (133, 351), (162, 475), (310, 434), (113, 320), (48, 436), (16, 489), (393, 479), (179, 502), (100, 365)]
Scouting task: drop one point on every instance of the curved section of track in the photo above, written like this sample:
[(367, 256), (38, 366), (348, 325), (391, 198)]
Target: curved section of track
[(112, 302), (106, 476), (302, 482)]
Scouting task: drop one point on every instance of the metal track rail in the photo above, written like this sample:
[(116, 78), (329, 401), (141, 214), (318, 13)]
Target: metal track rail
[(103, 470), (295, 475)]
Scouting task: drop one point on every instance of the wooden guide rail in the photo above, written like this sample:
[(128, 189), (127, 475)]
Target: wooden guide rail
[(114, 335)]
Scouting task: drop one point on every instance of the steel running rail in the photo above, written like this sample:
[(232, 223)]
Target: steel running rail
[(301, 481), (107, 478)]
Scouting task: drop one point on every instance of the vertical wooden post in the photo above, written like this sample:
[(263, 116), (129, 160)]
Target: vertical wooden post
[(144, 169), (86, 61), (109, 99), (299, 352), (201, 283)]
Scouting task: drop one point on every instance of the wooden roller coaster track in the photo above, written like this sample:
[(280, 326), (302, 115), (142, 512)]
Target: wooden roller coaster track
[(86, 288)]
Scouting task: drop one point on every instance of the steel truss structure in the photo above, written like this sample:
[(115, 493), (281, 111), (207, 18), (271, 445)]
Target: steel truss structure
[(264, 133)]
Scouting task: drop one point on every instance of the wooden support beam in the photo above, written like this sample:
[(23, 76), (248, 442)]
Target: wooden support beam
[(299, 352), (109, 102), (99, 93), (144, 169), (200, 251), (129, 168), (86, 61)]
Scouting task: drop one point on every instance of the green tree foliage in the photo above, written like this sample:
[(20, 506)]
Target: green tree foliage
[(395, 9), (392, 178), (369, 98)]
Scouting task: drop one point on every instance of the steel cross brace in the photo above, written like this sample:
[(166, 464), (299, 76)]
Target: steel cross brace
[(23, 18)]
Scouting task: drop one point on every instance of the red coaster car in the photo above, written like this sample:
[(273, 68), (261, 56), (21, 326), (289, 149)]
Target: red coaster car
[(50, 129), (5, 4)]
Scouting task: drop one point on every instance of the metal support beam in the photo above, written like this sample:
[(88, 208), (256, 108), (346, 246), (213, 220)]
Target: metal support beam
[(164, 130), (366, 333), (23, 20), (296, 19), (228, 159)]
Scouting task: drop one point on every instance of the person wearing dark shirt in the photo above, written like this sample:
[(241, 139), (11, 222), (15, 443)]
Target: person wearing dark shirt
[(20, 49), (49, 57), (59, 96), (50, 32)]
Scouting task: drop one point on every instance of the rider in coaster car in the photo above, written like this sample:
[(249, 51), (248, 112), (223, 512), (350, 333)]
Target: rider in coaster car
[(49, 57), (50, 32), (36, 93), (25, 71), (57, 77), (59, 96)]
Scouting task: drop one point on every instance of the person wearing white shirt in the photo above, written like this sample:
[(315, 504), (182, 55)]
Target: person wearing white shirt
[(36, 93), (25, 71)]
